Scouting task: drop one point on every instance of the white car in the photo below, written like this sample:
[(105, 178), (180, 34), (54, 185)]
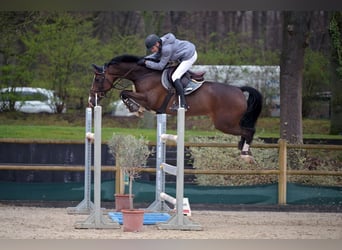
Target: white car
[(29, 100)]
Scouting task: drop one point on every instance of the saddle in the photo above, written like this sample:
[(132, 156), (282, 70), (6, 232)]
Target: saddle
[(191, 81)]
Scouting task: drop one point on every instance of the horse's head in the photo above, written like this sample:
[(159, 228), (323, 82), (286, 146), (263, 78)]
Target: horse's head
[(108, 77), (100, 86)]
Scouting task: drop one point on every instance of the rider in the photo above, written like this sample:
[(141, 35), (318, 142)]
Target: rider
[(167, 49)]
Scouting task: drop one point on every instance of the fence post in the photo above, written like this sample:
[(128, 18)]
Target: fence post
[(282, 172)]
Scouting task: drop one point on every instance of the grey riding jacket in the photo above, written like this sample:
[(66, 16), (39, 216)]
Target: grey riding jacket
[(172, 49)]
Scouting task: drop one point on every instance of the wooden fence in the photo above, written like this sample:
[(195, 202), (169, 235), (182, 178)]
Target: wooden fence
[(281, 171)]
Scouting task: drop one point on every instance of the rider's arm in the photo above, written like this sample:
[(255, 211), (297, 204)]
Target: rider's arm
[(164, 59)]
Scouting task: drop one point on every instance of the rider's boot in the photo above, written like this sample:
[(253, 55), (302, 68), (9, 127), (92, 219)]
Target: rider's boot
[(180, 92)]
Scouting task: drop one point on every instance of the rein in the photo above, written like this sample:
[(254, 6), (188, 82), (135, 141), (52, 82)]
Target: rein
[(161, 109), (120, 78), (116, 85), (102, 92)]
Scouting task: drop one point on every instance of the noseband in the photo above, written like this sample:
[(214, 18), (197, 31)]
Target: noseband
[(97, 87)]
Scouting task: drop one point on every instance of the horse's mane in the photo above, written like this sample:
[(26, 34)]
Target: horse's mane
[(124, 58)]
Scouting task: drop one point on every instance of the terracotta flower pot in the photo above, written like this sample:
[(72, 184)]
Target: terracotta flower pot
[(133, 220), (121, 201)]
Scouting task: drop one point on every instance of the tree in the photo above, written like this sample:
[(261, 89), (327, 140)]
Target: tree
[(13, 26), (108, 24), (336, 72), (295, 40), (315, 80), (59, 52)]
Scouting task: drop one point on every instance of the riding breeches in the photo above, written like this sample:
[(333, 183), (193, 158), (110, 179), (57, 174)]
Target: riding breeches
[(183, 67)]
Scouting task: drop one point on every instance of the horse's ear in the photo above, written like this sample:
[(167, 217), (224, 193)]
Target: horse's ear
[(98, 69)]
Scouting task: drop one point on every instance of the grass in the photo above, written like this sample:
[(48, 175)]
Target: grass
[(76, 134), (64, 133), (70, 127)]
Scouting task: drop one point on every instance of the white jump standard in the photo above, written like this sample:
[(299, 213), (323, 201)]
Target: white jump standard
[(86, 205), (159, 204), (178, 221), (97, 219)]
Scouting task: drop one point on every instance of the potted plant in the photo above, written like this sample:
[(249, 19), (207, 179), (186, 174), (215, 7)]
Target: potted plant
[(122, 199), (131, 155)]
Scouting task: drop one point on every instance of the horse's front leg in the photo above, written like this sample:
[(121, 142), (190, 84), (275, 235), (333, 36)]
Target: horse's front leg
[(133, 100)]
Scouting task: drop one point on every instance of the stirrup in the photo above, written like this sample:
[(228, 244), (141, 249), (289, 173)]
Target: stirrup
[(188, 89)]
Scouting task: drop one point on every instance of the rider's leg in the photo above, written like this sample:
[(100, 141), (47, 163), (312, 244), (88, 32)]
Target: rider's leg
[(180, 92), (183, 67)]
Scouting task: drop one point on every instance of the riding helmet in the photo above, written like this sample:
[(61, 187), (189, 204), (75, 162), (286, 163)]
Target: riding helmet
[(151, 40)]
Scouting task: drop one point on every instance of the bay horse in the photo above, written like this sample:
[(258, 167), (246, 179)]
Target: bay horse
[(227, 106)]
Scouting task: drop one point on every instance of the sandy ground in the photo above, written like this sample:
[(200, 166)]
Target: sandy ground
[(18, 222)]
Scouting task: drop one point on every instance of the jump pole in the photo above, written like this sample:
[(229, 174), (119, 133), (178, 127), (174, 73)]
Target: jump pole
[(97, 219), (86, 205), (178, 221)]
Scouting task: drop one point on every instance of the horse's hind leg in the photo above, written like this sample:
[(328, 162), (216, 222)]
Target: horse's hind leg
[(246, 135), (241, 142), (245, 142)]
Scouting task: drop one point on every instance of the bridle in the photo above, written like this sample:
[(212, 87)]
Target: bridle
[(119, 78), (101, 92)]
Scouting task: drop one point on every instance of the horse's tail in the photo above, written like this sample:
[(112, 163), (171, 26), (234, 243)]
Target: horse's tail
[(254, 106)]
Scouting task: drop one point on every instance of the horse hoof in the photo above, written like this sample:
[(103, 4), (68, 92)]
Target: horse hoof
[(139, 114), (248, 158)]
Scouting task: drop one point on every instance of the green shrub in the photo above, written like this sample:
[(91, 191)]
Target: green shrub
[(228, 158), (315, 160)]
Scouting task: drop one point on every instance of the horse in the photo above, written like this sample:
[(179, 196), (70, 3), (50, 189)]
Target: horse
[(228, 107)]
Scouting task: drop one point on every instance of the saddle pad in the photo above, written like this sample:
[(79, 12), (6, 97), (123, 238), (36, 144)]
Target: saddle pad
[(149, 218), (165, 82), (167, 85)]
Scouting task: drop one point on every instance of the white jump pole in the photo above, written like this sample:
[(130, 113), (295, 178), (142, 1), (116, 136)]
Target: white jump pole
[(168, 198), (178, 221), (86, 205), (97, 219)]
